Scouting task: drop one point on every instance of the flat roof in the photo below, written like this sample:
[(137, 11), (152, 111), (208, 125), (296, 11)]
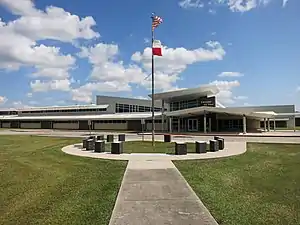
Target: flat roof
[(115, 116), (205, 90)]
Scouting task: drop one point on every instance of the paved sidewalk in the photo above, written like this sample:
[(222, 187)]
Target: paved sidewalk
[(155, 193)]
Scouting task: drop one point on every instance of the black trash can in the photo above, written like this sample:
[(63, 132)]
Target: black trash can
[(213, 145), (180, 148), (117, 147), (100, 146), (167, 138), (110, 138), (121, 137), (200, 146), (216, 138)]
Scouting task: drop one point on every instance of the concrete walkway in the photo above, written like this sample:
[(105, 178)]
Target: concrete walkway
[(155, 193)]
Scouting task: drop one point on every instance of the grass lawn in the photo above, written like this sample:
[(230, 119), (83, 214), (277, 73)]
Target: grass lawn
[(259, 187), (146, 147), (42, 185)]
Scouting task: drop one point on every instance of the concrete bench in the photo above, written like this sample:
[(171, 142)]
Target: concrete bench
[(117, 147), (167, 138), (90, 145), (110, 138), (220, 142), (180, 148), (213, 145), (200, 146), (84, 142), (121, 137), (100, 146)]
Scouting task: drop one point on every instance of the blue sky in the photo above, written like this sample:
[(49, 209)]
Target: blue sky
[(66, 52)]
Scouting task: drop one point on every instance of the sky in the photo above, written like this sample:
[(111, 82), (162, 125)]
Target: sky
[(67, 52)]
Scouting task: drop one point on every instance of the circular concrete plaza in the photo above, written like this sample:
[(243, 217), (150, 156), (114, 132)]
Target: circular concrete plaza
[(231, 148)]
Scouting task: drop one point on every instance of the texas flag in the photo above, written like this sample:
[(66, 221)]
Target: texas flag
[(156, 48)]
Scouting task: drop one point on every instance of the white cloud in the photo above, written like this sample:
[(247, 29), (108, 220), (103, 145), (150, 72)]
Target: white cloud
[(284, 2), (142, 97), (298, 89), (212, 11), (19, 42), (241, 5), (191, 4), (53, 23), (230, 74), (17, 50), (3, 100), (109, 74), (29, 95), (146, 40), (85, 92), (19, 105), (233, 5), (225, 96), (240, 97), (50, 85), (175, 60), (20, 7), (107, 67)]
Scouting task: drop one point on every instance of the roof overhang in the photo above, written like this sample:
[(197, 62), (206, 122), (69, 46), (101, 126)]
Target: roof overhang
[(229, 111), (187, 93), (116, 116)]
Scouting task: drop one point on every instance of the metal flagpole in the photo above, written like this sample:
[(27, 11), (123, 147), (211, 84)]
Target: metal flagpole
[(152, 80)]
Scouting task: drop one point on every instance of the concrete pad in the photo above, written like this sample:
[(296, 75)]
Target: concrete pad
[(164, 190), (160, 212), (150, 164), (150, 174)]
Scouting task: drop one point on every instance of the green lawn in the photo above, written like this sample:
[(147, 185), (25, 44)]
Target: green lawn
[(259, 187), (42, 185), (146, 147)]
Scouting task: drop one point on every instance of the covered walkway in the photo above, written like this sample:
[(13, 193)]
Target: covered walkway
[(212, 119)]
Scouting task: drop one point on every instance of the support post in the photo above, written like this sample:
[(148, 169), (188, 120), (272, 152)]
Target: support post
[(209, 124), (274, 120), (244, 124), (265, 124), (178, 125), (269, 124), (204, 121), (162, 115), (170, 124), (294, 123)]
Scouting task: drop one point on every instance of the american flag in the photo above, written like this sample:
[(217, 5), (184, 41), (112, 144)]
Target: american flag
[(156, 21)]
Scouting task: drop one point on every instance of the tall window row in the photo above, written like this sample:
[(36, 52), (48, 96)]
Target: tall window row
[(192, 103), (6, 113), (66, 110), (120, 108)]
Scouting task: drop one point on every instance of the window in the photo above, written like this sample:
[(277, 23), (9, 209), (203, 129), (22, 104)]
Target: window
[(120, 108)]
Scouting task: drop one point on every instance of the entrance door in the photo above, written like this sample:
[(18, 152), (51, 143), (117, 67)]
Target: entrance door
[(192, 125)]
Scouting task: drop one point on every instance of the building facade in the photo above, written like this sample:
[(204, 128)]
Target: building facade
[(187, 110)]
